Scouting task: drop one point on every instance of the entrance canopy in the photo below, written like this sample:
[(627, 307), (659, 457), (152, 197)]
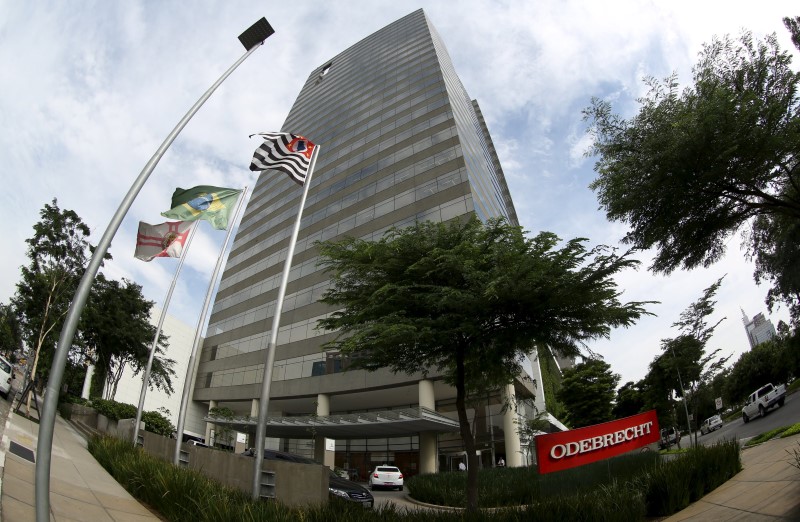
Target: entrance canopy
[(388, 423)]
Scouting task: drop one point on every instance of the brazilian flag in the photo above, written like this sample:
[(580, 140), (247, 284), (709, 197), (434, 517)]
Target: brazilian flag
[(203, 202)]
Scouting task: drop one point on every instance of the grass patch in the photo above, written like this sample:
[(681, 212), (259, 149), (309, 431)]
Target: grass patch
[(771, 434), (794, 429)]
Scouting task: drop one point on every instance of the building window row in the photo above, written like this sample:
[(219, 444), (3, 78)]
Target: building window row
[(448, 210), (384, 183), (381, 208)]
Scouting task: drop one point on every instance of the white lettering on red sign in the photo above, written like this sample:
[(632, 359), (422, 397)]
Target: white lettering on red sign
[(569, 449)]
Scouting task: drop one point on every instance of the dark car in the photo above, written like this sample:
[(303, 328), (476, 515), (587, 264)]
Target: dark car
[(337, 486)]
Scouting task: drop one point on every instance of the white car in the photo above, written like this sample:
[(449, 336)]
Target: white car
[(6, 375), (386, 477), (710, 424)]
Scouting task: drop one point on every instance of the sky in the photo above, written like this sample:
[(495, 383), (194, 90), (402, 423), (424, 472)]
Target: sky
[(90, 90)]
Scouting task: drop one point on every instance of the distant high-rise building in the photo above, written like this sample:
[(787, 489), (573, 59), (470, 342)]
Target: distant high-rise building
[(400, 141), (759, 330)]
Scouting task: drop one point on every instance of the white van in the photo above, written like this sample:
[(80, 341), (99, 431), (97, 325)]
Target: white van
[(6, 375)]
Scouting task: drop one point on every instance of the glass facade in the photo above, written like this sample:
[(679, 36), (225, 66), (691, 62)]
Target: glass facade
[(400, 141)]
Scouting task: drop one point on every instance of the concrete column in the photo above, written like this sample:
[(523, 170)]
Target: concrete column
[(320, 453), (209, 425), (254, 404), (427, 398), (513, 446), (87, 381), (428, 450)]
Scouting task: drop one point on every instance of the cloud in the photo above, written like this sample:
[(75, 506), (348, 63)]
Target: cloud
[(91, 90)]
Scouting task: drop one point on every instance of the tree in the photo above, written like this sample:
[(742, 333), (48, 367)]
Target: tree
[(684, 367), (587, 391), (116, 332), (469, 300), (10, 332), (772, 361), (224, 434), (58, 257), (692, 168), (630, 400)]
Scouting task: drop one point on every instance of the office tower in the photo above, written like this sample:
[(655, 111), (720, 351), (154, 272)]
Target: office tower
[(400, 141), (759, 330)]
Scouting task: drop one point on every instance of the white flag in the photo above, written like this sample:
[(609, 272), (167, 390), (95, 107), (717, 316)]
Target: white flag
[(163, 240), (289, 153)]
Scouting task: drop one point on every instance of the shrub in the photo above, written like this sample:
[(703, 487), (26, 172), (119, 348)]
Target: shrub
[(621, 489), (114, 410), (155, 422), (673, 485)]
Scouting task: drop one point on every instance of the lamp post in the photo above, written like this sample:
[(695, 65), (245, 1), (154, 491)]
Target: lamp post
[(683, 392), (251, 39)]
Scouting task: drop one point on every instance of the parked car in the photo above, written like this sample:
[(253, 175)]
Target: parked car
[(761, 400), (710, 424), (669, 436), (6, 376), (337, 486), (386, 477)]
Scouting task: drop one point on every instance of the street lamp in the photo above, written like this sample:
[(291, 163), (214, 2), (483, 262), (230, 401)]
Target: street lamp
[(251, 39)]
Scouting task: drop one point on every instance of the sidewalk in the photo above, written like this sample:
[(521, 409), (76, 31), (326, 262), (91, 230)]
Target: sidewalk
[(767, 488), (80, 489)]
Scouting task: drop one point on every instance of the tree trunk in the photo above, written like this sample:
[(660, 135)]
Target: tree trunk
[(466, 434)]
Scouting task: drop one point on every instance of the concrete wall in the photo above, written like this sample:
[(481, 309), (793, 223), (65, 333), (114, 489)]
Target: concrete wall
[(295, 484)]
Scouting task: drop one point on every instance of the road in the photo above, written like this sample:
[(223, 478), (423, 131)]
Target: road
[(786, 415)]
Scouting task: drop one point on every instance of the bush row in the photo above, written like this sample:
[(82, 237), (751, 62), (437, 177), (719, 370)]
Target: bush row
[(628, 489), (154, 421), (656, 485)]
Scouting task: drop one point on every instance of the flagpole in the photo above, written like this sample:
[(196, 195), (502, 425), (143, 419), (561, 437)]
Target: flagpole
[(187, 385), (146, 376), (263, 403), (44, 444)]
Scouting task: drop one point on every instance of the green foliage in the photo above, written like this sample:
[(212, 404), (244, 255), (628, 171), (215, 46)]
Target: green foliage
[(684, 369), (551, 383), (587, 392), (630, 400), (116, 330), (10, 332), (693, 167), (114, 410), (58, 256), (414, 299), (469, 300), (615, 490), (769, 361), (224, 433), (676, 483), (769, 435), (155, 422)]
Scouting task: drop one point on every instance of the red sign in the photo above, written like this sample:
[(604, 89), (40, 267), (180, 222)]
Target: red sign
[(567, 449)]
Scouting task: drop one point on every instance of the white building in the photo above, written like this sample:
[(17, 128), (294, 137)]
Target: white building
[(181, 337)]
